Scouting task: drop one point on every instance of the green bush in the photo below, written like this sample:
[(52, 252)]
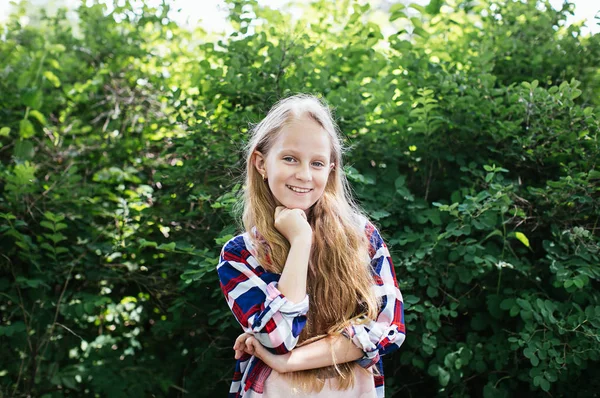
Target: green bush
[(474, 145)]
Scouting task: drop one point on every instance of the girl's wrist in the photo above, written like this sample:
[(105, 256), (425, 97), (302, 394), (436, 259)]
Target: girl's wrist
[(304, 240)]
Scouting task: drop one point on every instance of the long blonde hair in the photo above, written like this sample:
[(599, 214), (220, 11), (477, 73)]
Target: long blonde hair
[(339, 279)]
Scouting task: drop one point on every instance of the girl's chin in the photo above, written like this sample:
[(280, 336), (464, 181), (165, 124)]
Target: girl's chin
[(294, 204), (294, 201)]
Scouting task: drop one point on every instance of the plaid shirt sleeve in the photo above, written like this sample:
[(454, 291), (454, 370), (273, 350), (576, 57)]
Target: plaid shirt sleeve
[(256, 303), (386, 333)]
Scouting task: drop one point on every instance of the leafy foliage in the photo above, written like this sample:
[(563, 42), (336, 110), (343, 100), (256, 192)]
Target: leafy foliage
[(474, 145)]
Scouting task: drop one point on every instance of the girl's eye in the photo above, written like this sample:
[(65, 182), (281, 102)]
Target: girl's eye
[(292, 160)]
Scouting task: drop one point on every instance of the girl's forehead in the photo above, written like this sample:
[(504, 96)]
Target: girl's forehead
[(304, 135)]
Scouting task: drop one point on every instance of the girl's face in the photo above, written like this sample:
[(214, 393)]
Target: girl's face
[(298, 165)]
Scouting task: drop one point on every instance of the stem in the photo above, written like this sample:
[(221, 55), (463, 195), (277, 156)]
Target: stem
[(499, 279), (502, 254)]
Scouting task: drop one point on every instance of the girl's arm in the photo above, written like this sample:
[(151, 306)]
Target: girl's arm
[(314, 355), (273, 308), (364, 341), (292, 283), (292, 224), (252, 294), (319, 353), (385, 333)]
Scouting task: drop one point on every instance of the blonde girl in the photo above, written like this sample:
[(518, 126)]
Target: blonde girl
[(310, 280)]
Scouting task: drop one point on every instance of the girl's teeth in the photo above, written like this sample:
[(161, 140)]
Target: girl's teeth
[(298, 190)]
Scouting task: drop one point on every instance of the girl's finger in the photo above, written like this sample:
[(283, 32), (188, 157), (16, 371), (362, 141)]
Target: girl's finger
[(238, 354), (303, 214), (239, 342), (253, 345), (278, 210)]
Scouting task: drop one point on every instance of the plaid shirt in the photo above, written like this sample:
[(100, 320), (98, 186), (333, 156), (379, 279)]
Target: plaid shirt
[(261, 309)]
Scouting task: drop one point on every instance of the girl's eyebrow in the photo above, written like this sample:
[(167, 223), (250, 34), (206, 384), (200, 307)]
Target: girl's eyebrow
[(297, 153)]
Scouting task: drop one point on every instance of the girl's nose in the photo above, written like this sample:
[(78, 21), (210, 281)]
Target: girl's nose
[(304, 174)]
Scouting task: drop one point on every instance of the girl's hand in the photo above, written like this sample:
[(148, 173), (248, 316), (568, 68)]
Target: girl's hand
[(292, 224), (240, 345), (247, 343)]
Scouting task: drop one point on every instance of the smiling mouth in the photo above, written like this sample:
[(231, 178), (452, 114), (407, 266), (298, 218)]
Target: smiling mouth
[(299, 190)]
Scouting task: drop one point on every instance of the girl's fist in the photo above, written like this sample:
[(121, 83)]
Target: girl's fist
[(292, 224)]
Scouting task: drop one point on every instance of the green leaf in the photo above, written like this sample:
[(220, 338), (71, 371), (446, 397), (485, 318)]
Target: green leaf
[(24, 150), (420, 32), (432, 291), (379, 214), (418, 363), (39, 116), (400, 182), (521, 237), (24, 80), (434, 6), (507, 303), (33, 283), (397, 7), (593, 174), (47, 247), (33, 99), (545, 385), (15, 327), (56, 48), (534, 360), (410, 299), (69, 382), (57, 237), (47, 224), (524, 304), (397, 15), (24, 174), (145, 243), (417, 7), (169, 247), (434, 217), (416, 22), (568, 283), (496, 232), (443, 376), (60, 226), (4, 131), (52, 78), (53, 217), (26, 129)]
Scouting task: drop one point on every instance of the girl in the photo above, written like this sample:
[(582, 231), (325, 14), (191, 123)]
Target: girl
[(310, 280)]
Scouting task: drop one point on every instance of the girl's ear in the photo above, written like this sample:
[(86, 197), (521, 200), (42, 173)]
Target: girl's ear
[(259, 163), (331, 167)]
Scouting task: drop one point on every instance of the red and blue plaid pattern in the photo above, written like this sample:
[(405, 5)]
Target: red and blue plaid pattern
[(261, 309)]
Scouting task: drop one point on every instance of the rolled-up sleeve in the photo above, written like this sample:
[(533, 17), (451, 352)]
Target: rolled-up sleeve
[(387, 333), (257, 304)]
